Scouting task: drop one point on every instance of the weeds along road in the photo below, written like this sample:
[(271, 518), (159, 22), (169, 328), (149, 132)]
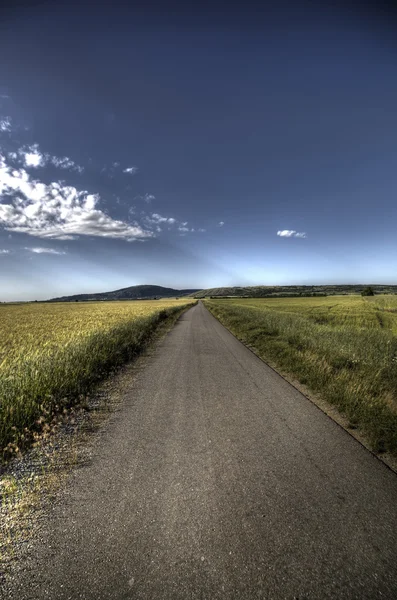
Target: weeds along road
[(217, 479)]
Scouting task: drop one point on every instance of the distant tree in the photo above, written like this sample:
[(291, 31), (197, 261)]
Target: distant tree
[(368, 291)]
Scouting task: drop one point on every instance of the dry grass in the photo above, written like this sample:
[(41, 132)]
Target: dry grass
[(51, 355)]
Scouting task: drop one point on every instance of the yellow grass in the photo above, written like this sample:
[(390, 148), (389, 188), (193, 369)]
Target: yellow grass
[(51, 354)]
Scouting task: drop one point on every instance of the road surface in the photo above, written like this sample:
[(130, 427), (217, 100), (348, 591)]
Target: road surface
[(218, 479)]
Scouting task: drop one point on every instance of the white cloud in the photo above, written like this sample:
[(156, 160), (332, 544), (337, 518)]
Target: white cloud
[(286, 233), (131, 170), (182, 227), (56, 210), (221, 223), (45, 251), (33, 159), (290, 233), (5, 124), (64, 163), (4, 251), (156, 218), (115, 166), (31, 156)]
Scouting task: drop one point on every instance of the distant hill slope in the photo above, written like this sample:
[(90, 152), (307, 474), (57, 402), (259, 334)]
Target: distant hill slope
[(264, 291), (135, 292)]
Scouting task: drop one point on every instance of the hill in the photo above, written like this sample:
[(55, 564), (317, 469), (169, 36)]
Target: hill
[(135, 292), (266, 291)]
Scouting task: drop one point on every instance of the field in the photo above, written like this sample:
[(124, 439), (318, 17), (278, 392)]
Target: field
[(343, 347), (289, 291), (52, 354)]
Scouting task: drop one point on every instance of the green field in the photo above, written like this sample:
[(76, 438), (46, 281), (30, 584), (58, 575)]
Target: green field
[(343, 347), (52, 354), (289, 291)]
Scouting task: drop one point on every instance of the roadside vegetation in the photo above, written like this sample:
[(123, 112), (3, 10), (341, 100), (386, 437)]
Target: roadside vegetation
[(342, 347), (290, 291), (51, 356)]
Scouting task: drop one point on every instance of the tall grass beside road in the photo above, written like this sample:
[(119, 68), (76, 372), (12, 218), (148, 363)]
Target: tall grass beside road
[(344, 348), (51, 355)]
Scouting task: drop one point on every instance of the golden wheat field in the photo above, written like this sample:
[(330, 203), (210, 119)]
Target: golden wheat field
[(353, 311), (29, 330), (51, 354)]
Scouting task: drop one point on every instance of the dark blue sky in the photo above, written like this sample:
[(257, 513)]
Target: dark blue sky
[(261, 146)]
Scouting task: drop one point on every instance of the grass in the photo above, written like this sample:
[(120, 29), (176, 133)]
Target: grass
[(273, 291), (51, 356), (343, 347)]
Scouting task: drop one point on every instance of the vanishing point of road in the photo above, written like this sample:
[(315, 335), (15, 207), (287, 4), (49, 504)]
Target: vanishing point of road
[(218, 479)]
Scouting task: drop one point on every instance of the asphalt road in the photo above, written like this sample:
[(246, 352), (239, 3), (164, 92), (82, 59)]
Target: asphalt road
[(218, 479)]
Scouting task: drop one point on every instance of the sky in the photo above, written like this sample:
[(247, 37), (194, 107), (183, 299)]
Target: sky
[(196, 145)]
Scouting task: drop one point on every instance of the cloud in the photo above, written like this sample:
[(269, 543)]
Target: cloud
[(5, 124), (156, 218), (34, 159), (3, 251), (110, 170), (64, 163), (31, 156), (56, 210), (146, 197), (221, 223), (115, 166), (45, 251), (184, 229), (290, 233)]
